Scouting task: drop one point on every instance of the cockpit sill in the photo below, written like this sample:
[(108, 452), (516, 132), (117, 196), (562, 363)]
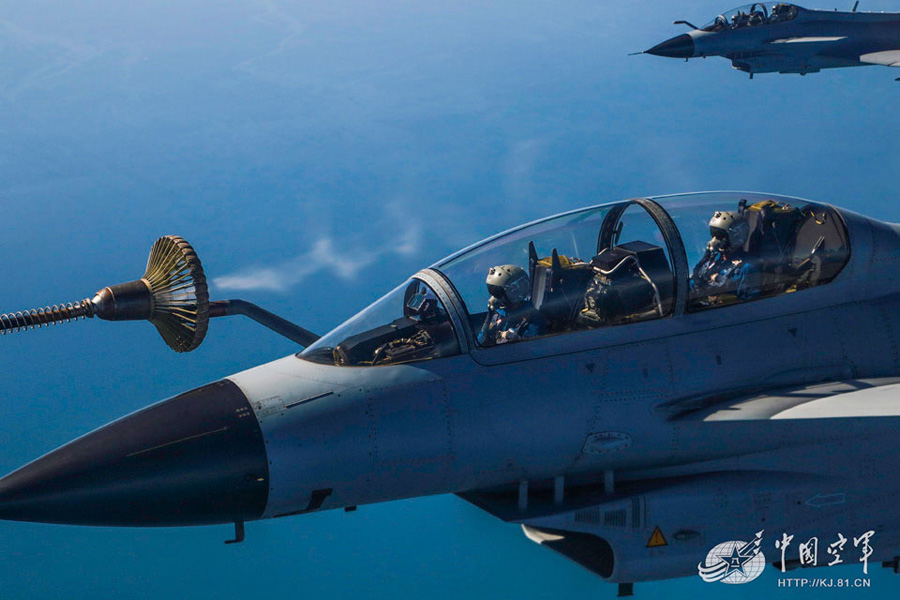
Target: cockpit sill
[(454, 310)]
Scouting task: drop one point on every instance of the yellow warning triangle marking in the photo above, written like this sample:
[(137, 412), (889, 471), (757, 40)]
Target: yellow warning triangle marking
[(657, 539)]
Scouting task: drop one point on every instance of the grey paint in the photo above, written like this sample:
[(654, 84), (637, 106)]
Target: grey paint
[(635, 408), (630, 400)]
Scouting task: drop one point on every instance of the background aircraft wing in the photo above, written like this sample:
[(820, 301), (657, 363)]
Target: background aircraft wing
[(851, 50), (888, 58), (809, 40), (810, 54)]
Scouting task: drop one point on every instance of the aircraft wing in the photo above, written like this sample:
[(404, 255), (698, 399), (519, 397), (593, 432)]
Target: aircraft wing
[(659, 526), (831, 400)]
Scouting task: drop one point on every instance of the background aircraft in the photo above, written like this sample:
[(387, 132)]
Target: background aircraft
[(722, 365), (786, 38)]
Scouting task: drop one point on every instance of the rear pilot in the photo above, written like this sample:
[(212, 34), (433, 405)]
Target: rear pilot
[(725, 267)]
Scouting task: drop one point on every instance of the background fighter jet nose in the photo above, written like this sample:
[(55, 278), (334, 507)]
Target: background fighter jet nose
[(197, 458), (680, 46)]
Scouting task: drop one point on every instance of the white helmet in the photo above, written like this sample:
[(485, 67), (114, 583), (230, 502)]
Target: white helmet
[(730, 230), (508, 284)]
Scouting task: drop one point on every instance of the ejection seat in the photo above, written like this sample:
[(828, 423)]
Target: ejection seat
[(557, 287), (773, 233)]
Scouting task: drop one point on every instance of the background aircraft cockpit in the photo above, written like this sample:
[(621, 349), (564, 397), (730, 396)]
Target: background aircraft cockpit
[(752, 15), (783, 12), (605, 266)]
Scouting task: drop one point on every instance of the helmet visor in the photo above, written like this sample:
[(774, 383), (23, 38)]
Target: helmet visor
[(718, 233), (497, 291)]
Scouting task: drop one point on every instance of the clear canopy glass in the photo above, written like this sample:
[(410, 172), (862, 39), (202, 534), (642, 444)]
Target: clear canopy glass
[(749, 246), (591, 268), (603, 266), (409, 323)]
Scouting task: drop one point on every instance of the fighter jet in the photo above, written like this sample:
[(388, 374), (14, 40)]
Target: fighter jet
[(635, 384), (786, 38)]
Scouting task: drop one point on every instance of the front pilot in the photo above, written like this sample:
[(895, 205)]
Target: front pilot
[(510, 315)]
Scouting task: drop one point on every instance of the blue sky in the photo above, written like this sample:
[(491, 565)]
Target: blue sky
[(316, 154)]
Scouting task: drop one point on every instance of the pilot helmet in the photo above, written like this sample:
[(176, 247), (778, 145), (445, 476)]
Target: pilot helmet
[(729, 230), (508, 284)]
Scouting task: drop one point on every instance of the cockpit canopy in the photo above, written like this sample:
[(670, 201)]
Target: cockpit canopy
[(753, 15), (578, 265), (409, 323), (599, 267)]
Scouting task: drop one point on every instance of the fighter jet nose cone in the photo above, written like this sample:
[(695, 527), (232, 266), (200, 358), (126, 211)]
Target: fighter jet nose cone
[(196, 458), (680, 46)]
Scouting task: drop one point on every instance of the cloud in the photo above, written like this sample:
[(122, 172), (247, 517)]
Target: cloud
[(519, 166), (259, 279), (340, 259)]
